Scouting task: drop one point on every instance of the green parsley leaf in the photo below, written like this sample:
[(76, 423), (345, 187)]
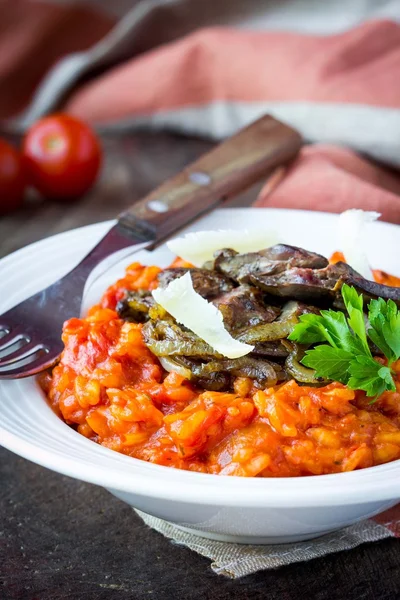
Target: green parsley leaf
[(384, 318), (354, 304), (329, 326), (335, 322), (369, 375), (342, 352), (375, 334), (329, 362), (310, 330)]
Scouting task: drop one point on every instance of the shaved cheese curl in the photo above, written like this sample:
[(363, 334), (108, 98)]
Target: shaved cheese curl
[(204, 319)]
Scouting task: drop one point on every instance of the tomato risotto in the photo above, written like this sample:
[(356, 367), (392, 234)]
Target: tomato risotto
[(114, 390)]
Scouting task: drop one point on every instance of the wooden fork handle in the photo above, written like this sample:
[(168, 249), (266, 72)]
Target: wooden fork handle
[(222, 173)]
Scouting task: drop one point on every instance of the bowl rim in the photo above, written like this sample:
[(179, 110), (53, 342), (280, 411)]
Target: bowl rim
[(135, 476), (372, 484)]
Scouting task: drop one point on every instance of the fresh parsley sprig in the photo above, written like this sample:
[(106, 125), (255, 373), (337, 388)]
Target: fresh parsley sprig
[(343, 353)]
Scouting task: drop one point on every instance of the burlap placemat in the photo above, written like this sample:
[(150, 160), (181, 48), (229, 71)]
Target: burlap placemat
[(237, 560)]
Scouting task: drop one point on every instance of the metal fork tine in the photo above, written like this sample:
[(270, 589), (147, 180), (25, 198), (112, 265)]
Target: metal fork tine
[(41, 363), (10, 338), (22, 353)]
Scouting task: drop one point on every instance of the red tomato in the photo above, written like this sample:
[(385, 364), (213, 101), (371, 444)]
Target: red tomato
[(12, 181), (62, 156)]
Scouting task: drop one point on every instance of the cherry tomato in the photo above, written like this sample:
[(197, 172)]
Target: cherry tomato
[(12, 180), (62, 156)]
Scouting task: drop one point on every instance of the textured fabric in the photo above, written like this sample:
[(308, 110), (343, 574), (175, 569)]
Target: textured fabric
[(285, 67), (162, 66), (308, 16), (237, 560), (335, 88), (33, 37), (221, 76), (333, 179)]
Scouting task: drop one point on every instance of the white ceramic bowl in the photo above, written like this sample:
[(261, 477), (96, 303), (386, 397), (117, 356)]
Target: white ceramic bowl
[(224, 508)]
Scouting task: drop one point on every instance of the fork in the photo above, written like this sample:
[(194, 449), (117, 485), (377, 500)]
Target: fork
[(30, 333)]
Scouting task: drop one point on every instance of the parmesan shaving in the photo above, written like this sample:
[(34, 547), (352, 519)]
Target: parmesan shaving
[(203, 318), (199, 247), (351, 239)]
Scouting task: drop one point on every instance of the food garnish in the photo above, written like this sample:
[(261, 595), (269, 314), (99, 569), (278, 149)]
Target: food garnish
[(344, 353), (352, 225), (190, 309)]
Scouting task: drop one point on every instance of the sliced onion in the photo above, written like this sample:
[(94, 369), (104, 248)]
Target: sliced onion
[(294, 367), (298, 371), (170, 365), (277, 330)]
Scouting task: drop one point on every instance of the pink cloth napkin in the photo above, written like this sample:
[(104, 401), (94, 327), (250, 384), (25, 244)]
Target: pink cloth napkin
[(239, 66), (34, 35), (333, 179), (340, 90), (333, 88)]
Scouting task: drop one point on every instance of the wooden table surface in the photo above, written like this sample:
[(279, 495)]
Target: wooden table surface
[(64, 539)]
